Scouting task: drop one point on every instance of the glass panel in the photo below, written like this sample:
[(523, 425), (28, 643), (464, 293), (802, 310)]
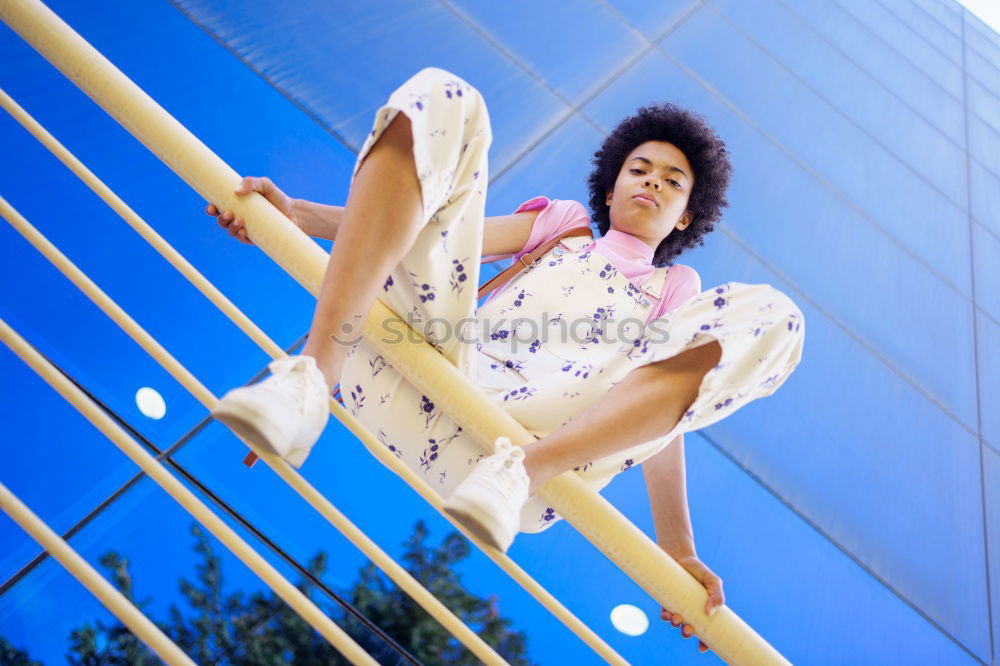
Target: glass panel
[(984, 71), (984, 109), (991, 460), (53, 458), (845, 158), (654, 19), (406, 36), (985, 195), (982, 38), (731, 510), (944, 68), (984, 144), (563, 157), (883, 61), (571, 29), (988, 343), (837, 82), (875, 464), (929, 28), (986, 246), (947, 13)]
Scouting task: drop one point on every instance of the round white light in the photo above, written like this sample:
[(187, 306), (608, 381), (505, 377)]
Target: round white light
[(150, 403), (629, 619)]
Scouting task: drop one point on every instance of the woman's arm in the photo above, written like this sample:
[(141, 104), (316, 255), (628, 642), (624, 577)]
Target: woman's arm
[(665, 482), (316, 219), (505, 234)]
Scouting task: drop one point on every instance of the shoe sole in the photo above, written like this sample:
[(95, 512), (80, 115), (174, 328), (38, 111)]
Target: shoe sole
[(246, 423), (472, 517)]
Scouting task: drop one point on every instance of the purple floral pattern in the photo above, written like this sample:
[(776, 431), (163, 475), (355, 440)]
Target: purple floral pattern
[(608, 272), (453, 89), (377, 364), (383, 438), (427, 410), (638, 348), (357, 399), (511, 364), (435, 447), (578, 369), (426, 290), (522, 393), (458, 277), (518, 300), (596, 332)]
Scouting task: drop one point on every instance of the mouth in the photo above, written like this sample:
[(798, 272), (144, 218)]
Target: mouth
[(645, 200)]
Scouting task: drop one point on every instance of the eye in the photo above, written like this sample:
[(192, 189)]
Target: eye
[(676, 184), (636, 171)]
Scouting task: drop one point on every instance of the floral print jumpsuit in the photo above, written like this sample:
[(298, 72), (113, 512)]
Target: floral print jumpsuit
[(557, 338)]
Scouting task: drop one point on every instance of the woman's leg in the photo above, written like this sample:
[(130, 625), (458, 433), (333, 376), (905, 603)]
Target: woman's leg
[(669, 386), (413, 225), (382, 217), (425, 160), (647, 404), (757, 335)]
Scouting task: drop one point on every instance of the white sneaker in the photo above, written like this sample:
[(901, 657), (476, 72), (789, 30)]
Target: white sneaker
[(285, 413), (489, 500)]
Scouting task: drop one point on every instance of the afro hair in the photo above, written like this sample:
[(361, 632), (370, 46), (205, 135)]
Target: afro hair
[(705, 152)]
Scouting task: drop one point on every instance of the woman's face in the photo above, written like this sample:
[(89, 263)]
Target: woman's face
[(651, 192)]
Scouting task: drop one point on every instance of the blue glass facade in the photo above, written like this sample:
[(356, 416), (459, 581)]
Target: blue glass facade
[(854, 516)]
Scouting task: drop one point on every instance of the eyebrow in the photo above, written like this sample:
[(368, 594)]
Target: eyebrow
[(669, 167)]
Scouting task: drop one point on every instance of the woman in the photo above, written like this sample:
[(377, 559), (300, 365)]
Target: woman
[(600, 403)]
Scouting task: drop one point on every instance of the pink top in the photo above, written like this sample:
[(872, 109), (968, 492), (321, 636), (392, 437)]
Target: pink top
[(627, 253)]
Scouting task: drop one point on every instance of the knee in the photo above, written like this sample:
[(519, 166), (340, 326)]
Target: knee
[(787, 314), (398, 134), (787, 306), (443, 86)]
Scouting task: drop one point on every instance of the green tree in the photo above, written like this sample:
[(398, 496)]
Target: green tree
[(380, 599), (11, 656), (107, 645), (259, 629)]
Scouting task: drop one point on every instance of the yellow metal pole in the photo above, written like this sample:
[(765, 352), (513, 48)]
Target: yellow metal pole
[(302, 605), (113, 600)]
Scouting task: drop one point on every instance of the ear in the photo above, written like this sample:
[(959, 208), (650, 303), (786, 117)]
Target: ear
[(685, 221), (607, 200)]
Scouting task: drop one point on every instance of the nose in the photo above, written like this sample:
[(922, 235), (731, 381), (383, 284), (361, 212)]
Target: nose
[(655, 184)]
